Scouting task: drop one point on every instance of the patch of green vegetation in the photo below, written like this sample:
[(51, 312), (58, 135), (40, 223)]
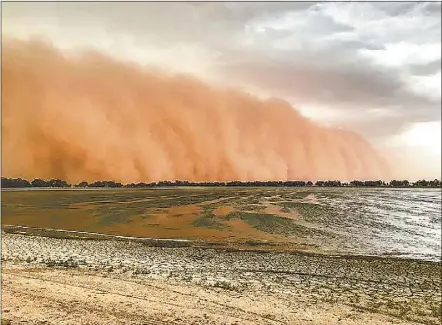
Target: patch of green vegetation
[(257, 243), (69, 263), (118, 213), (208, 222), (225, 285), (285, 210), (207, 211), (207, 218), (254, 201), (110, 219), (295, 195), (436, 310), (291, 206), (252, 207), (272, 224), (310, 212)]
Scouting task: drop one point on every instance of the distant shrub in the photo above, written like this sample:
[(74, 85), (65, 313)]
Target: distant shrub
[(224, 285), (69, 263)]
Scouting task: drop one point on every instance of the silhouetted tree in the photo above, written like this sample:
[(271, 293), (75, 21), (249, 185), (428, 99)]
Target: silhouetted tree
[(435, 183), (58, 183), (105, 184), (14, 183), (396, 183), (82, 184), (18, 183), (39, 183)]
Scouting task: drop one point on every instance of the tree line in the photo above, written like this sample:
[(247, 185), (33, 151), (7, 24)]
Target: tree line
[(57, 183)]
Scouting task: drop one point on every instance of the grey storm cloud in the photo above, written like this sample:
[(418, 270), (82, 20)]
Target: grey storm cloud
[(399, 8), (427, 68), (432, 8), (314, 77)]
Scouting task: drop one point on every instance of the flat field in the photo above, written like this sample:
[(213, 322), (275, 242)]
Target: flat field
[(227, 256), (391, 222), (254, 216)]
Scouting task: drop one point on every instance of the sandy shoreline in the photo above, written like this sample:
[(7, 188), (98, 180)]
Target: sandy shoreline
[(74, 281)]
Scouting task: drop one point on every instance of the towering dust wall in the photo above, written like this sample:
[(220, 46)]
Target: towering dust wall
[(89, 117)]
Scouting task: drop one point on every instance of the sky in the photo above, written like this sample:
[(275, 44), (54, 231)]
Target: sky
[(372, 68)]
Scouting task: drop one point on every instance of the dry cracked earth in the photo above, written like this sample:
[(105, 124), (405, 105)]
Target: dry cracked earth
[(83, 281)]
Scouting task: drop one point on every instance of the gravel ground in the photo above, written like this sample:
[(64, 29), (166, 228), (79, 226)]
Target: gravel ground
[(78, 281)]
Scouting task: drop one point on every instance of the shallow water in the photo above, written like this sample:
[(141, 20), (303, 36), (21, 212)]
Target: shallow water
[(394, 222)]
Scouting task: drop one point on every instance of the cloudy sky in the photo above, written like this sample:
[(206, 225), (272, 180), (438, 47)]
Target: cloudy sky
[(374, 68)]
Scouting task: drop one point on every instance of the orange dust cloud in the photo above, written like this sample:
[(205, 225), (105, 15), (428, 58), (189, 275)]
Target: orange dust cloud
[(86, 116)]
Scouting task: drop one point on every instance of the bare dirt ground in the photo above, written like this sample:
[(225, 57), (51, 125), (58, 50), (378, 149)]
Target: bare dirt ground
[(77, 281), (70, 297)]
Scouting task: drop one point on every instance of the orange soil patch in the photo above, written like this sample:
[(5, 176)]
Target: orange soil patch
[(96, 203), (223, 210), (190, 209), (161, 230), (243, 231), (173, 222), (273, 209), (134, 201), (53, 218)]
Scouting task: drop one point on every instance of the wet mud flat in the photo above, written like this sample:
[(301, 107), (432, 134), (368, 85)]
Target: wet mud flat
[(362, 221), (107, 281)]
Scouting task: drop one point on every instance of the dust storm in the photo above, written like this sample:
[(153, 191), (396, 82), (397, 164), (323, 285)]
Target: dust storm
[(85, 116)]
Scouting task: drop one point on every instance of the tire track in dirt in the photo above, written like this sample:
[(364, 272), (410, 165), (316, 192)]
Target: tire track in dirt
[(210, 307)]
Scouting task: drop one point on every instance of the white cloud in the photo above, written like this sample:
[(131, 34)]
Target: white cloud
[(428, 86), (403, 53), (424, 136)]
